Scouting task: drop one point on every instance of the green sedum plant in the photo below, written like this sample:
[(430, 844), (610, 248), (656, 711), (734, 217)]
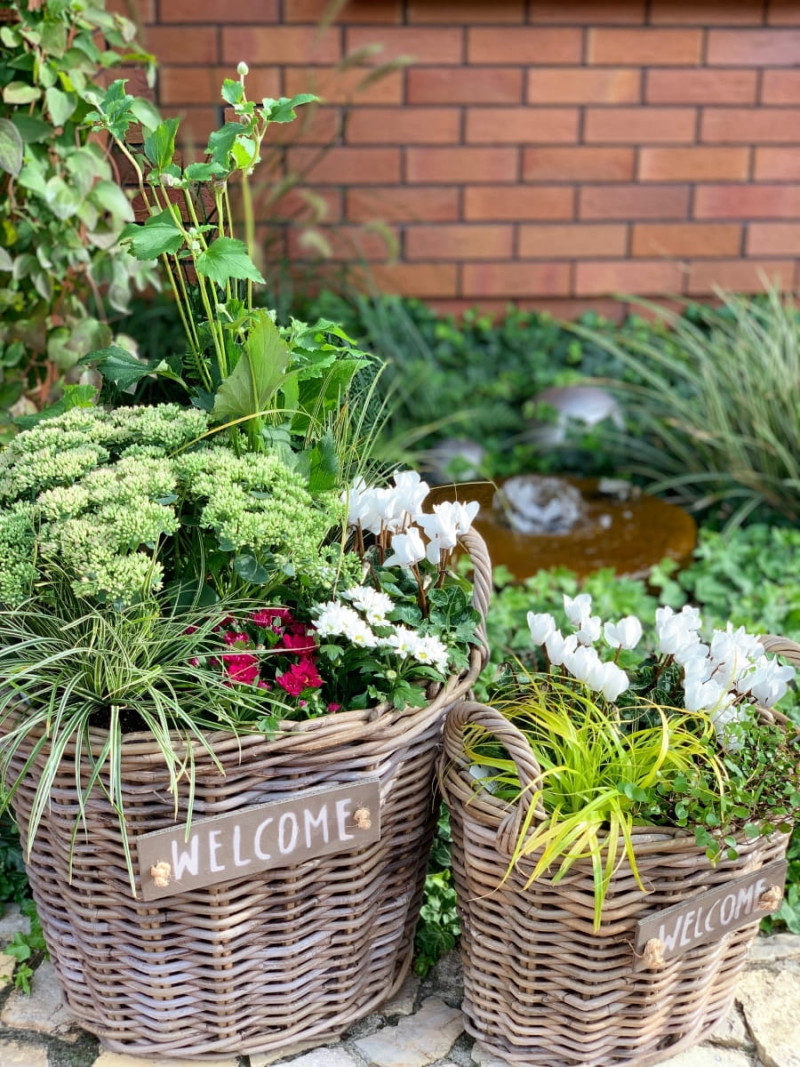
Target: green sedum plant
[(63, 272)]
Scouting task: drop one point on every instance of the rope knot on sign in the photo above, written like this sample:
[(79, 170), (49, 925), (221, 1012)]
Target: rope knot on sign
[(362, 818), (771, 898), (653, 955), (160, 873)]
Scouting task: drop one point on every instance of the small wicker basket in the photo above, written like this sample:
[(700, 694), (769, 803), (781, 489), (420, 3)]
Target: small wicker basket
[(292, 955), (542, 988)]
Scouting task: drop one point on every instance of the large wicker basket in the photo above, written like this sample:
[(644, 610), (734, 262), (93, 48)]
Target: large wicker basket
[(291, 955), (541, 987)]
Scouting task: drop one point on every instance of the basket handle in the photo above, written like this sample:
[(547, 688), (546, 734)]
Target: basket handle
[(781, 646), (481, 584), (470, 713)]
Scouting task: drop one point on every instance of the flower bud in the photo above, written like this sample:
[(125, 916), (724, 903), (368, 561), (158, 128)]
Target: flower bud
[(243, 70)]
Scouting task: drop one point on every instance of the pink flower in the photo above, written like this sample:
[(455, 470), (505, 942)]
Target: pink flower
[(298, 642), (300, 676), (241, 667), (334, 707), (236, 637)]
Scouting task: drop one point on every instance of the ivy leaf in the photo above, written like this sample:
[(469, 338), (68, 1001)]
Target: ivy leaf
[(60, 105), (32, 129), (159, 144), (11, 148), (20, 93), (227, 258), (259, 373), (157, 236)]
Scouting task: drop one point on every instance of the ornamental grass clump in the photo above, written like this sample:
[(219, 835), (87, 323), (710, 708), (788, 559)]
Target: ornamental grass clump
[(672, 730)]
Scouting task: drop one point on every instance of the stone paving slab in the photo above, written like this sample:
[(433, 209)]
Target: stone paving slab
[(422, 1026)]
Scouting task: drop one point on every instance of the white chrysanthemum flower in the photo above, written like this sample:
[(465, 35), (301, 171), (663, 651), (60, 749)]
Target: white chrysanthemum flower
[(375, 604), (432, 652), (334, 619), (402, 640)]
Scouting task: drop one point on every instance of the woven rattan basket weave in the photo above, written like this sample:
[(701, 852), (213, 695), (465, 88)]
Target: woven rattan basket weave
[(291, 955), (541, 987)]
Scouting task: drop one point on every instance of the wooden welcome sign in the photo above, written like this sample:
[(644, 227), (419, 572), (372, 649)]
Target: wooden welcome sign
[(279, 833), (710, 915)]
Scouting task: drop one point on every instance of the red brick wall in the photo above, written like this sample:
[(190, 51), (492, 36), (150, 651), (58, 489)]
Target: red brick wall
[(550, 153)]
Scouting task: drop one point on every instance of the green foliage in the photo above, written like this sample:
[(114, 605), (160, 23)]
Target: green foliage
[(714, 411), (62, 269), (13, 880), (476, 377), (28, 949), (234, 361), (438, 929)]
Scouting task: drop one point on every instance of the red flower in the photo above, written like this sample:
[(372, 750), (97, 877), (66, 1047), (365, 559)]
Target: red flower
[(298, 642), (234, 637), (241, 667), (334, 707), (268, 617), (300, 676)]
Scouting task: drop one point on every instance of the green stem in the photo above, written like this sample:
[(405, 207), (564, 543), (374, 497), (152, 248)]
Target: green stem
[(214, 325)]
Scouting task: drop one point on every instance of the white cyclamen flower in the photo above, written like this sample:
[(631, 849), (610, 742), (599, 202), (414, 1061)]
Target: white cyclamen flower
[(768, 682), (584, 663), (558, 646), (375, 604), (589, 630), (676, 632), (709, 695), (623, 634), (735, 651), (409, 492), (407, 549), (613, 682), (578, 608), (541, 625)]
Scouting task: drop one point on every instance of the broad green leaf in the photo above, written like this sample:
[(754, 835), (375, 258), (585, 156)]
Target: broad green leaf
[(111, 198), (6, 262), (61, 198), (221, 141), (248, 567), (125, 370), (158, 235), (31, 129), (9, 37), (324, 472), (227, 258), (11, 148), (54, 37), (258, 375), (202, 172), (232, 92), (60, 105), (146, 113), (20, 93), (283, 110), (159, 144)]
